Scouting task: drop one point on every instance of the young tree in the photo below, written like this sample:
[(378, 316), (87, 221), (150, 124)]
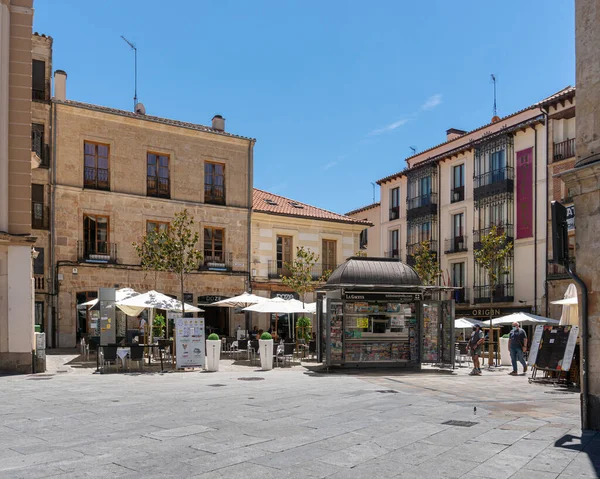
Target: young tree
[(300, 277), (426, 264), (172, 250), (492, 256)]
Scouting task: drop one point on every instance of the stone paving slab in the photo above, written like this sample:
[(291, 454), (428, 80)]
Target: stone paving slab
[(291, 423)]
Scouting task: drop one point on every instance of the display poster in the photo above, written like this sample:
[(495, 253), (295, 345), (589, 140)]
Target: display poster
[(570, 217), (535, 345), (108, 329), (525, 193), (430, 348), (190, 342), (362, 323)]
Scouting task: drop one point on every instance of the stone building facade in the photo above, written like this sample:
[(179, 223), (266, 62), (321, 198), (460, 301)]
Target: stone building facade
[(116, 175), (16, 240), (369, 241), (280, 225)]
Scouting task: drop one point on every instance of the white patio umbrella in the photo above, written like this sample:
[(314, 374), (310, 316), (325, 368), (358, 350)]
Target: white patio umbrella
[(312, 307), (466, 323), (120, 295), (280, 306), (241, 301), (154, 300), (570, 310), (523, 319)]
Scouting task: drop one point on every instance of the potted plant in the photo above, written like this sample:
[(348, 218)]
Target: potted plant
[(265, 346), (213, 352)]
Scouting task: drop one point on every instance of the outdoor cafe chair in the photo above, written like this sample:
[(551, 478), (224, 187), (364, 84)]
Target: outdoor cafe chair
[(109, 355), (276, 356), (288, 353), (242, 347), (312, 349), (137, 354)]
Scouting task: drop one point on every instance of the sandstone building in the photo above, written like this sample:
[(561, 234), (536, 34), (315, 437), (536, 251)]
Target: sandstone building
[(16, 240)]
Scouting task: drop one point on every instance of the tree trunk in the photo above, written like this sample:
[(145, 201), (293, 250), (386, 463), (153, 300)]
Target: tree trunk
[(491, 340)]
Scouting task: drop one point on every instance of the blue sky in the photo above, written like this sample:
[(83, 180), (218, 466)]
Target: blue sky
[(335, 92)]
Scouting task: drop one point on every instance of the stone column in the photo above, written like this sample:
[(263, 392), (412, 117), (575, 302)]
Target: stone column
[(584, 179)]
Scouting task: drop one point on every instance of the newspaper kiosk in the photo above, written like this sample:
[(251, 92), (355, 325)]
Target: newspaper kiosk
[(375, 312)]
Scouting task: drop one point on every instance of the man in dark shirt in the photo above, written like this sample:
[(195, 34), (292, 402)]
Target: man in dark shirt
[(475, 345), (517, 345)]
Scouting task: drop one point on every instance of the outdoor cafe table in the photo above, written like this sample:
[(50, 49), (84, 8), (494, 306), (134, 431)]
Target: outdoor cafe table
[(123, 353)]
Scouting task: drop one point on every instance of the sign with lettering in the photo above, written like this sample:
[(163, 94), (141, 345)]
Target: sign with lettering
[(285, 295), (525, 193), (383, 296), (495, 312), (571, 217), (204, 300), (190, 342)]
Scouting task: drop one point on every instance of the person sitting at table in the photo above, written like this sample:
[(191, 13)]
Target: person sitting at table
[(254, 332), (259, 334), (461, 337)]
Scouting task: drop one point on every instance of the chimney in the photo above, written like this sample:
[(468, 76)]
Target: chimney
[(60, 85), (218, 123), (453, 133)]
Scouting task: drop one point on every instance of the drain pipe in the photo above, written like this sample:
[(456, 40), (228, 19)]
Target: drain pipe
[(54, 270), (249, 234)]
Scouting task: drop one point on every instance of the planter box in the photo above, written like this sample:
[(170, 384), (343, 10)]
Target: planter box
[(265, 348), (504, 352), (213, 354)]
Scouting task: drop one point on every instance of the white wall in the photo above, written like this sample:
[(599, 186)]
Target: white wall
[(20, 300)]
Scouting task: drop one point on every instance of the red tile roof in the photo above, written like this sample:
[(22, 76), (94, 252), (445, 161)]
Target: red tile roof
[(363, 208), (265, 202)]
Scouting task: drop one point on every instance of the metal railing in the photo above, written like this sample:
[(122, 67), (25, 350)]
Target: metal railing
[(38, 95), (40, 282), (564, 149), (217, 262), (96, 251), (277, 270), (411, 249), (214, 194), (461, 296), (456, 244), (40, 216), (457, 194), (557, 271), (394, 253), (43, 152), (479, 234), (394, 213), (503, 293), (423, 200), (494, 176), (96, 178), (157, 186)]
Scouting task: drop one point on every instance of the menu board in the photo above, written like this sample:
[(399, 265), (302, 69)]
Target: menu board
[(190, 343), (336, 334), (556, 347)]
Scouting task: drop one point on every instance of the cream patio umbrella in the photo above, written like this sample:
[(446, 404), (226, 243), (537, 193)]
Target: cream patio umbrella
[(570, 310), (242, 301), (279, 306)]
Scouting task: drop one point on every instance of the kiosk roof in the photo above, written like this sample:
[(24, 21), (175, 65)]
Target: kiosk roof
[(383, 272)]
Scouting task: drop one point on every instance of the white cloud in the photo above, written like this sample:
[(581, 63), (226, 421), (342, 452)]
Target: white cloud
[(432, 102), (333, 163), (390, 127), (279, 188)]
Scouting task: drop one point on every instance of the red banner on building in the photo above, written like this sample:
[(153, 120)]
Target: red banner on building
[(525, 193)]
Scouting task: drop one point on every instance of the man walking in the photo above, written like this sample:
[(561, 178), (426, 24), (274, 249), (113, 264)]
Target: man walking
[(517, 344), (475, 344)]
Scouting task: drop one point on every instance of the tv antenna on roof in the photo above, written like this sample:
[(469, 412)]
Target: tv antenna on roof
[(413, 149), (135, 72), (373, 191), (494, 81)]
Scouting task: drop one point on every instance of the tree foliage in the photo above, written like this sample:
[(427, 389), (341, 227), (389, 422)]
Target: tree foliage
[(172, 249), (426, 264), (299, 277), (492, 256)]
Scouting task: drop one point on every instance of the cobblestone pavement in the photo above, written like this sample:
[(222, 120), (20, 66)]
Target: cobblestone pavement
[(289, 422)]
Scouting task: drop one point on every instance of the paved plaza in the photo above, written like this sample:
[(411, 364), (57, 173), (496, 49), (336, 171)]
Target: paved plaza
[(290, 422)]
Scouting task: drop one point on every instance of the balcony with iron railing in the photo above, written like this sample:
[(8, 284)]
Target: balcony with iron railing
[(478, 235), (557, 271), (214, 194), (494, 182), (96, 178), (40, 216), (394, 253), (277, 269), (158, 187), (394, 213), (413, 248), (457, 244), (564, 149), (503, 293), (43, 152), (421, 205), (217, 262), (457, 194), (40, 282), (96, 252), (461, 296)]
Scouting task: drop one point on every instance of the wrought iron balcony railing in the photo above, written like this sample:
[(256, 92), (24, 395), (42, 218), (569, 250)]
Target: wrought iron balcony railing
[(96, 252), (96, 178), (456, 244), (214, 194), (503, 293), (157, 186), (40, 216), (461, 296), (217, 262), (394, 253), (556, 271), (394, 213), (40, 282), (564, 149), (277, 269), (494, 182), (412, 249), (457, 194), (504, 227)]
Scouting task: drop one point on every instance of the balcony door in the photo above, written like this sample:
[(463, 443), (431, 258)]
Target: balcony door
[(329, 255), (284, 254), (394, 244), (458, 228), (214, 239), (95, 234), (498, 165)]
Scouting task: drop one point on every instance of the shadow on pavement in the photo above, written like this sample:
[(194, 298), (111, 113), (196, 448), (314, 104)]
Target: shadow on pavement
[(588, 443)]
